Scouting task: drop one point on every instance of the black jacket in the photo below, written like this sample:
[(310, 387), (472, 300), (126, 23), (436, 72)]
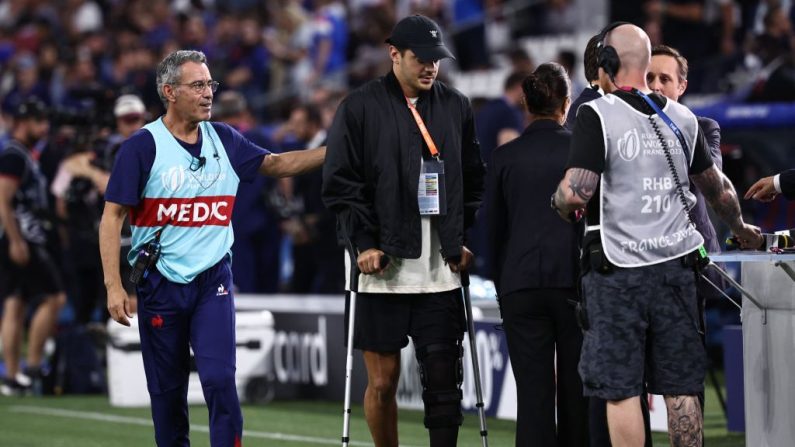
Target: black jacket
[(587, 94), (372, 167), (533, 247), (787, 182)]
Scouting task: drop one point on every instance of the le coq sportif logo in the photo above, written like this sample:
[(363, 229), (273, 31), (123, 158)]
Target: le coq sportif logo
[(629, 145)]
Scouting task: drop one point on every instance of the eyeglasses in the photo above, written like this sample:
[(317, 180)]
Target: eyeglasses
[(199, 86)]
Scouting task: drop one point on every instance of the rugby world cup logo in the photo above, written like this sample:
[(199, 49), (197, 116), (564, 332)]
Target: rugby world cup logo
[(173, 179), (629, 145)]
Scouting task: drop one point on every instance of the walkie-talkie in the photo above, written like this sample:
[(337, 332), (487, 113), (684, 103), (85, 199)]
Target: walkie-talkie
[(146, 260)]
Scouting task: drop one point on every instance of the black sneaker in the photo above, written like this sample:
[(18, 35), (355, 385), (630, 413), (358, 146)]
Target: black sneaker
[(29, 375), (32, 377), (11, 387)]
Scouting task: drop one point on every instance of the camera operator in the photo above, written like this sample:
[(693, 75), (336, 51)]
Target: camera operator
[(79, 187), (641, 251), (312, 228), (28, 274)]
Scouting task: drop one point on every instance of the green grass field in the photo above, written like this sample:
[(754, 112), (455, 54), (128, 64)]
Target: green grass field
[(89, 421)]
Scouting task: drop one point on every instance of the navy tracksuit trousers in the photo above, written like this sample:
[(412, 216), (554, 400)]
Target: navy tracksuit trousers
[(200, 314)]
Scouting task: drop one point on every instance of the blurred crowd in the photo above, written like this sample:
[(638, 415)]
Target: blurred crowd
[(283, 66), (741, 47)]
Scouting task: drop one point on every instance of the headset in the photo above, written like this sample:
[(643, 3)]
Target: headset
[(606, 55)]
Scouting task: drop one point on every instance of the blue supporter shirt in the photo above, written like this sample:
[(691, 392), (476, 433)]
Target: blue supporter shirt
[(137, 155), (493, 117)]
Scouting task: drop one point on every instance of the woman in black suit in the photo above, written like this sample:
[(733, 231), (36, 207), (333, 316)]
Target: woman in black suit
[(535, 257)]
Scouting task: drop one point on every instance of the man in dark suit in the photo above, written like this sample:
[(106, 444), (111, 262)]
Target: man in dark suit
[(594, 89), (766, 189), (668, 76)]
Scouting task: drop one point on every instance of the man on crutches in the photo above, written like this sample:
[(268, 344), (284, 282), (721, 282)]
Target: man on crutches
[(405, 178)]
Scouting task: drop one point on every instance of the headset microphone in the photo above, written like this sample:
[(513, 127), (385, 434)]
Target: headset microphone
[(197, 163)]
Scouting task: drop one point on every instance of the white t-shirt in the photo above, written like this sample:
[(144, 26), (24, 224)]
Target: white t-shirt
[(426, 274)]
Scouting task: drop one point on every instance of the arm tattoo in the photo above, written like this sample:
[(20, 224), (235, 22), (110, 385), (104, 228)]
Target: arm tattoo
[(685, 423), (720, 195), (582, 183)]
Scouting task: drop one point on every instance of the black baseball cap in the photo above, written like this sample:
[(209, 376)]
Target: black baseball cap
[(32, 108), (422, 36)]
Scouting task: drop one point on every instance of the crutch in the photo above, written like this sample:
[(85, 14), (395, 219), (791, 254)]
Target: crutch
[(474, 354), (354, 286)]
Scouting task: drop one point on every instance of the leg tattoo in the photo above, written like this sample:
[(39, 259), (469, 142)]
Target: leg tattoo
[(684, 421)]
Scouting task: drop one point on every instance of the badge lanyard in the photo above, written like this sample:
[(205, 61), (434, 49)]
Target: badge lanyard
[(431, 195), (423, 130), (667, 120)]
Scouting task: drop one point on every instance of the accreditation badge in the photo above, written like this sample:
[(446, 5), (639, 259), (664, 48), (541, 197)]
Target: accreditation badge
[(431, 195)]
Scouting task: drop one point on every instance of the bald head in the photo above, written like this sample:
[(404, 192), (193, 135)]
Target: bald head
[(632, 45)]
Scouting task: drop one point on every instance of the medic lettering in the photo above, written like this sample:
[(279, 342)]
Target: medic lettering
[(183, 212)]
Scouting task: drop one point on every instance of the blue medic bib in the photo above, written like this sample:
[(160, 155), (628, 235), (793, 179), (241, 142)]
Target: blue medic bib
[(192, 207)]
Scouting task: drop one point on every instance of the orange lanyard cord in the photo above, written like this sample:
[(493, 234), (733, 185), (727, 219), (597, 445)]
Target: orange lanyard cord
[(424, 130)]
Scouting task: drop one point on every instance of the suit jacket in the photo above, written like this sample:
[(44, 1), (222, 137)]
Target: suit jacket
[(787, 181), (532, 247), (588, 94)]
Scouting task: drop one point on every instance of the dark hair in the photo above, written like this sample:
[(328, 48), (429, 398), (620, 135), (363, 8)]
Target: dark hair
[(519, 54), (770, 15), (514, 79), (546, 89), (313, 115), (567, 59), (681, 62), (590, 59)]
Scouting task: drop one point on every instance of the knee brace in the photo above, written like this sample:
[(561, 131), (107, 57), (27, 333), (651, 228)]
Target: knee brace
[(441, 373)]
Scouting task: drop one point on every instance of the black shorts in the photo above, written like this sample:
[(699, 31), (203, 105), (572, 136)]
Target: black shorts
[(39, 277), (642, 319), (385, 321)]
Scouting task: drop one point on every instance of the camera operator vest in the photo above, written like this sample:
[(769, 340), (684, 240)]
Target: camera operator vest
[(30, 200), (642, 218), (190, 203)]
